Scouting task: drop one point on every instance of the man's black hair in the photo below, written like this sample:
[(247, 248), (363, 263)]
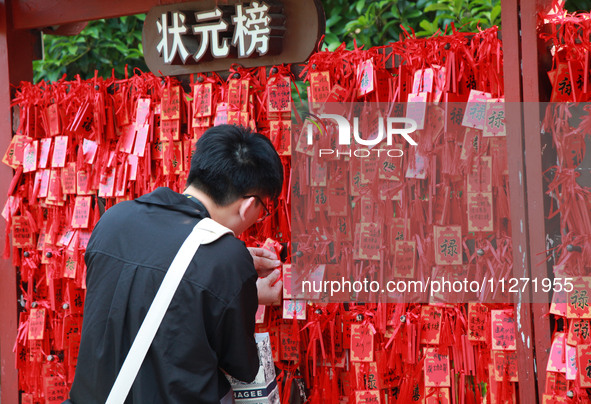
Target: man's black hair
[(230, 162)]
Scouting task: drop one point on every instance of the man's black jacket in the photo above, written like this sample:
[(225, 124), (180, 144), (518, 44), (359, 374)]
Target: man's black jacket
[(210, 322)]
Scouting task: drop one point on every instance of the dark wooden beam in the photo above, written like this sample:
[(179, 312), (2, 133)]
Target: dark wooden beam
[(28, 14), (540, 155), (517, 190)]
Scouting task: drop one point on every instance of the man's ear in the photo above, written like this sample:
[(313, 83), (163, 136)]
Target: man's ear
[(245, 205)]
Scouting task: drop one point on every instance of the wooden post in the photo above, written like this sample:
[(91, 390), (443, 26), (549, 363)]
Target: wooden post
[(16, 65), (540, 155), (523, 94)]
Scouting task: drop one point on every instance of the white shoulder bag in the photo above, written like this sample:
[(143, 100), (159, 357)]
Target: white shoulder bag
[(205, 232)]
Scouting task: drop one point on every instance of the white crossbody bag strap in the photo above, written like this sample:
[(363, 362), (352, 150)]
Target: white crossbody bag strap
[(205, 232)]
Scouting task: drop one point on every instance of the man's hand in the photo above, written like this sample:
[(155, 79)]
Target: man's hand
[(264, 261), (269, 291)]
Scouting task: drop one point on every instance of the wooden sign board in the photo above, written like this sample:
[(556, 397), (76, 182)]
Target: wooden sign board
[(203, 36)]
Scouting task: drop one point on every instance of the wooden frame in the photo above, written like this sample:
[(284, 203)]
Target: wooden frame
[(17, 43)]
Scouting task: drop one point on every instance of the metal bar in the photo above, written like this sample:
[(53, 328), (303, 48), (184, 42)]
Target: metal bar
[(519, 228), (540, 153)]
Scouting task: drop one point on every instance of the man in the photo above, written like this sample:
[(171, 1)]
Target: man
[(209, 326)]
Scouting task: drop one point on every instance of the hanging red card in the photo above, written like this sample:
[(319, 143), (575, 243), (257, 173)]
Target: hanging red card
[(30, 157), (107, 185), (399, 230), (370, 241), (75, 298), (448, 245), (440, 73), (404, 259), (142, 112), (584, 365), (436, 368), (479, 177), (141, 137), (170, 128), (45, 145), (391, 168), (290, 350), (337, 94), (498, 149), (69, 178), (558, 304), (221, 114), (416, 109), (177, 158), (89, 149), (202, 102), (287, 281), (494, 121), (280, 135), (367, 397), (294, 308), (365, 77), (81, 214), (53, 120), (367, 375), (477, 314), (315, 277), (578, 332), (54, 387), (556, 359), (82, 186), (476, 109), (388, 375), (238, 94), (171, 104), (320, 199), (70, 265), (550, 399), (27, 398), (455, 107), (55, 195), (503, 330), (423, 81), (9, 155), (60, 149), (577, 301), (127, 138), (556, 383), (430, 324), (259, 317), (335, 274), (337, 201), (480, 211), (36, 324), (562, 85), (505, 361), (471, 143), (571, 362), (22, 234), (435, 395), (417, 168), (362, 345), (279, 94), (84, 236), (319, 86)]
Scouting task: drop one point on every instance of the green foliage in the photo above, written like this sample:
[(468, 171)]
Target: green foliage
[(103, 45), (578, 5), (374, 23), (107, 44)]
